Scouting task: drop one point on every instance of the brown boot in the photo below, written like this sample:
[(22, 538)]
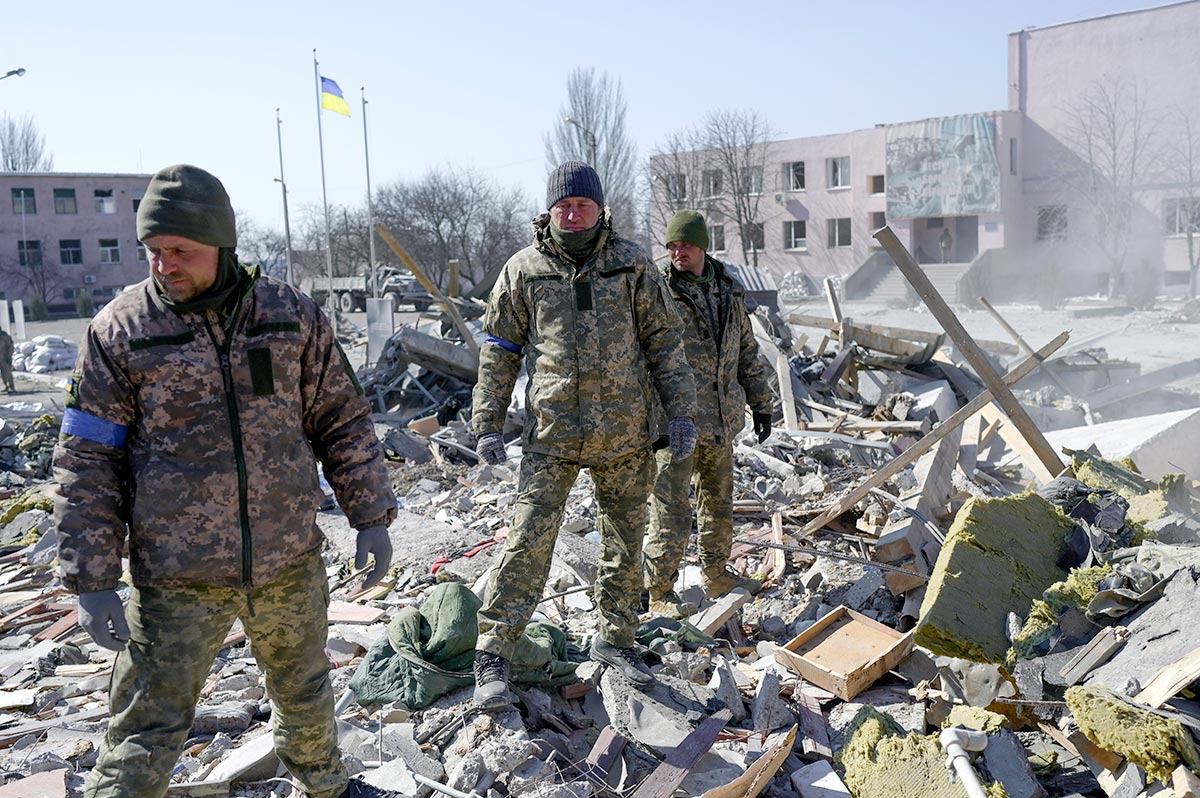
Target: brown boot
[(718, 583), (670, 605)]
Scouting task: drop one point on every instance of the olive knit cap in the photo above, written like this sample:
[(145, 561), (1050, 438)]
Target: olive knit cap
[(184, 200), (688, 227), (574, 179)]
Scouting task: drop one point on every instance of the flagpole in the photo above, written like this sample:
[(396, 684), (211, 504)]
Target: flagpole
[(325, 199), (287, 229), (370, 207)]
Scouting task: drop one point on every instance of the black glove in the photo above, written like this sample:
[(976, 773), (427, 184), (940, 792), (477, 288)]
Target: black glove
[(762, 425), (681, 437), (490, 448), (373, 540), (102, 616)]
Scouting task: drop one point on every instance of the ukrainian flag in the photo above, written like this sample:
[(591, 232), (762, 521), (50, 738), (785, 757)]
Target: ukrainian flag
[(331, 97)]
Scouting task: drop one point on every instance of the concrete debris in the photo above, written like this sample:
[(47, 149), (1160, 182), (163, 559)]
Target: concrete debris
[(911, 582)]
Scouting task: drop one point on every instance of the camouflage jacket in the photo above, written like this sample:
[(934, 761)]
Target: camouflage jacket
[(204, 447), (597, 340), (6, 345), (729, 372)]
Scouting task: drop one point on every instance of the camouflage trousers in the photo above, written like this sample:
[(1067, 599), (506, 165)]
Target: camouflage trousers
[(6, 373), (175, 635), (671, 514), (517, 581)]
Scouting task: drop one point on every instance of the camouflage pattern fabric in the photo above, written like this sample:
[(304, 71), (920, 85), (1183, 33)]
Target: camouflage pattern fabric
[(597, 340), (175, 634), (209, 455), (671, 515), (516, 584), (6, 356), (725, 360)]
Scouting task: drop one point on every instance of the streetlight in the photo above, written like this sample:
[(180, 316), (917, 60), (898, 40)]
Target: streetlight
[(19, 71), (591, 139)]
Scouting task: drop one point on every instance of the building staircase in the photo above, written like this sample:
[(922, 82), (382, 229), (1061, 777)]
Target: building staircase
[(893, 288)]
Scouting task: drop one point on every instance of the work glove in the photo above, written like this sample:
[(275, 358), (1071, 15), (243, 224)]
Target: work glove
[(102, 616), (373, 540), (490, 447), (681, 436), (762, 426)]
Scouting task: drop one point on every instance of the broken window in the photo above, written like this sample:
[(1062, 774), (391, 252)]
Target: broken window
[(838, 172), (793, 175), (795, 235), (105, 201), (70, 251)]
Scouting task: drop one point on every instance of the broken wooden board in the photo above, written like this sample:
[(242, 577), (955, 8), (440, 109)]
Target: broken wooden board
[(604, 754), (1184, 783), (1094, 653), (713, 617), (759, 774), (812, 722), (1170, 680), (1013, 438), (845, 652), (667, 777), (348, 612)]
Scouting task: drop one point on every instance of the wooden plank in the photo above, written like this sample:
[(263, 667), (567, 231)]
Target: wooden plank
[(667, 777), (1165, 684), (1184, 783), (59, 627), (812, 722), (756, 777), (899, 463), (787, 399), (430, 286), (835, 310), (347, 612), (712, 618), (1017, 442), (923, 337), (603, 756), (971, 351), (1094, 654)]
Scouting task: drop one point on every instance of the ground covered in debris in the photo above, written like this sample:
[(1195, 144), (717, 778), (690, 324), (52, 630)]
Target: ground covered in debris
[(928, 578)]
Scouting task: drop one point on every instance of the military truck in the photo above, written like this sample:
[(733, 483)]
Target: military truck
[(351, 293)]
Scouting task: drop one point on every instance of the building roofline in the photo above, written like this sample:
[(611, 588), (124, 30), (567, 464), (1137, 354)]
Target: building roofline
[(76, 174), (1103, 16)]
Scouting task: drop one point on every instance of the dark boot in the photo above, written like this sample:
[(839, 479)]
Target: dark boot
[(627, 660), (491, 681)]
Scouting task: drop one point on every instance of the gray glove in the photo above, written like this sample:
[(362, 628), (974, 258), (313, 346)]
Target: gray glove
[(681, 436), (490, 447), (102, 616), (373, 540)]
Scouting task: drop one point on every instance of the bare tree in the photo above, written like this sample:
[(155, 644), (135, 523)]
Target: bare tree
[(596, 104), (262, 245), (1183, 212), (719, 167), (1113, 133), (34, 270), (22, 146)]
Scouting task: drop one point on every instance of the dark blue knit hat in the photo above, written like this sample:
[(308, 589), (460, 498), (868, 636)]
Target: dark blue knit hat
[(574, 179)]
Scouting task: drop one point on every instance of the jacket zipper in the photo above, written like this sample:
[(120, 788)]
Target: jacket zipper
[(236, 431)]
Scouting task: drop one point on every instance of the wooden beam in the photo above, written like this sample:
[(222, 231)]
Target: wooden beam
[(919, 448), (787, 399), (1170, 680), (430, 286), (1013, 438), (835, 310), (667, 777), (970, 350)]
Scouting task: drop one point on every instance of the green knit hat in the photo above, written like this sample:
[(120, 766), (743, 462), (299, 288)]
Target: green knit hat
[(187, 201), (688, 227)]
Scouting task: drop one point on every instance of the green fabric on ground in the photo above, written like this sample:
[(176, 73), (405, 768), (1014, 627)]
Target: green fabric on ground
[(429, 651)]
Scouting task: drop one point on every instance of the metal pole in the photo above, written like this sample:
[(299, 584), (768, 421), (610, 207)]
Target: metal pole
[(592, 148), (287, 228), (325, 199), (370, 205)]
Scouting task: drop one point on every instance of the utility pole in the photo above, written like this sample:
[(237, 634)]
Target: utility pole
[(287, 229), (589, 135)]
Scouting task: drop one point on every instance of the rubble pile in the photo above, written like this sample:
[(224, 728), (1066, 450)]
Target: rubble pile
[(938, 598)]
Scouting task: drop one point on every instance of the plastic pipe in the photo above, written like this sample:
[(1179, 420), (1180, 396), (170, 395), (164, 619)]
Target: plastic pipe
[(956, 742)]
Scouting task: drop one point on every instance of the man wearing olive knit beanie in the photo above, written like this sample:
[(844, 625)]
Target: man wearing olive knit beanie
[(202, 400), (583, 309)]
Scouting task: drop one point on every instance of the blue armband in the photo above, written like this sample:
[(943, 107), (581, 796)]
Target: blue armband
[(508, 346), (93, 428)]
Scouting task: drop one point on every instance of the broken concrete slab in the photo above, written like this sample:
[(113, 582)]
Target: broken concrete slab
[(1011, 545), (818, 780), (1005, 761), (48, 784), (253, 760), (1160, 444)]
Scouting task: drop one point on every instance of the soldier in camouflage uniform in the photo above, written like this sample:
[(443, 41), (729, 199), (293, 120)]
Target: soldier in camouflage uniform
[(587, 313), (729, 375), (6, 356), (200, 404)]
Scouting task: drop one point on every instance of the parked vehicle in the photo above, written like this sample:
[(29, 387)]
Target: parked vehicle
[(351, 293)]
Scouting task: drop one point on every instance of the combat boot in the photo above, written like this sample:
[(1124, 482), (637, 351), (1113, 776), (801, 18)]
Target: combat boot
[(491, 681), (626, 659), (719, 581), (358, 788), (670, 605)]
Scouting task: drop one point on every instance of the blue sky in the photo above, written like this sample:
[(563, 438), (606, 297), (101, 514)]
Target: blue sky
[(131, 87)]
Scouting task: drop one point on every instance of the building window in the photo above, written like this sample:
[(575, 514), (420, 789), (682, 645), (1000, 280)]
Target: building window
[(1012, 155), (71, 293), (1051, 222), (838, 172), (141, 253), (110, 250), (1181, 215), (752, 180), (105, 201), (70, 251), (676, 188), (935, 223), (754, 238), (23, 201), (712, 183), (29, 253), (876, 182), (793, 175), (716, 238), (878, 219), (795, 235), (839, 233), (64, 201)]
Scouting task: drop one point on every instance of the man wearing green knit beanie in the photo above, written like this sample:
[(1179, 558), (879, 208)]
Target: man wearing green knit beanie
[(201, 402), (723, 354)]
